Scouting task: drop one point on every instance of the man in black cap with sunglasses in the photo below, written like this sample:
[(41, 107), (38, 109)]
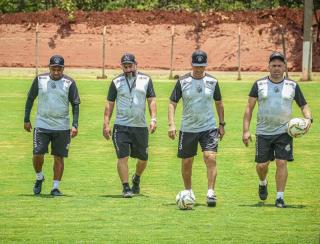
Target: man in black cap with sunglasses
[(274, 94), (198, 91), (54, 91), (130, 91)]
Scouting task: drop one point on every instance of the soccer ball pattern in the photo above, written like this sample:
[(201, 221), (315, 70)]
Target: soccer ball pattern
[(184, 200), (297, 127)]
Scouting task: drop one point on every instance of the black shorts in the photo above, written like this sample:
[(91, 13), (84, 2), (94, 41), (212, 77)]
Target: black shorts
[(60, 142), (269, 147), (188, 142), (131, 141)]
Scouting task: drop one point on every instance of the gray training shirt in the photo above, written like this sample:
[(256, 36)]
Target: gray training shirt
[(53, 102), (198, 96), (130, 96), (275, 104)]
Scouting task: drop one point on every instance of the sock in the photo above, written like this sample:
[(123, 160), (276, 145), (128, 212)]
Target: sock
[(55, 184), (279, 195), (263, 182), (210, 192), (125, 185), (39, 176)]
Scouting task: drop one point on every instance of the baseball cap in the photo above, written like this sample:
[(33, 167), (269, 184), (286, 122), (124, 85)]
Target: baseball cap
[(276, 55), (199, 58), (128, 58), (56, 60)]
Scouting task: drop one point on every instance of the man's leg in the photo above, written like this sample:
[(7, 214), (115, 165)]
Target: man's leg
[(140, 167), (58, 167), (281, 181), (38, 160), (209, 158), (262, 171), (186, 171), (123, 172)]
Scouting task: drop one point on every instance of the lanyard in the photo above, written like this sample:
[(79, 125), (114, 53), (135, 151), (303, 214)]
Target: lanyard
[(133, 84)]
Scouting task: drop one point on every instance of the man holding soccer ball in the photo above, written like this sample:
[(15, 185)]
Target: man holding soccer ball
[(274, 95), (198, 91)]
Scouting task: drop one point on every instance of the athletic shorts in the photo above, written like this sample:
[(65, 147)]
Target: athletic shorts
[(60, 142), (270, 147), (131, 141), (188, 142)]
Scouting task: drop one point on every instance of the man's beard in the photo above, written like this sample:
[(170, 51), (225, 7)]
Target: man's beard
[(130, 74)]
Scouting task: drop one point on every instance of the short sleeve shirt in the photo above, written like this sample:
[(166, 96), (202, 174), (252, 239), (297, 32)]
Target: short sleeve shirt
[(130, 97), (198, 96), (275, 104)]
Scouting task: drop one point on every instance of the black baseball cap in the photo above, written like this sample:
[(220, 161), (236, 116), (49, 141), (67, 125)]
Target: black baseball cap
[(56, 60), (277, 55), (199, 58), (128, 58)]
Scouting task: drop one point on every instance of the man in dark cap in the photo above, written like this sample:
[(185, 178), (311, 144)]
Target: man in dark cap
[(198, 91), (54, 91), (274, 94), (129, 91)]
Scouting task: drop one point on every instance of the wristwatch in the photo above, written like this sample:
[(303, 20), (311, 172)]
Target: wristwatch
[(223, 124)]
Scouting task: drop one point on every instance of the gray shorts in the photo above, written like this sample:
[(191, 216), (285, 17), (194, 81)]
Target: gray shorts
[(269, 147), (131, 141), (188, 142), (60, 142)]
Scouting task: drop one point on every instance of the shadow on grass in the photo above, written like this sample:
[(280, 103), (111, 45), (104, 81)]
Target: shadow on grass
[(195, 205), (42, 195), (262, 204), (120, 196)]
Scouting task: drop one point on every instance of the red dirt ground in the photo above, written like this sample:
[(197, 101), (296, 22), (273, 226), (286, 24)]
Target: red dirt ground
[(147, 34)]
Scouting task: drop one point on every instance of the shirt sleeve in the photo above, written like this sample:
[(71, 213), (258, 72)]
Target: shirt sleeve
[(298, 97), (150, 90), (176, 93), (254, 90), (73, 94), (34, 89), (112, 93), (32, 94), (217, 93)]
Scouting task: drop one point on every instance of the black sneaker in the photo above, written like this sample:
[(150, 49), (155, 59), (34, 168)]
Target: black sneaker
[(135, 185), (127, 193), (211, 201), (280, 203), (263, 192), (37, 186), (56, 192)]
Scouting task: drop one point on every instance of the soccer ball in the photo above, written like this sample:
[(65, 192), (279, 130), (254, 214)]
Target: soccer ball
[(185, 200), (297, 127)]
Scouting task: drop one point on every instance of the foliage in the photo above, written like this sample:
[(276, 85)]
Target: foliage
[(97, 5)]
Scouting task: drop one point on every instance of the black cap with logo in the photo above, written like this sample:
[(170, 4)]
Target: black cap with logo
[(277, 55), (128, 58), (199, 58), (56, 60)]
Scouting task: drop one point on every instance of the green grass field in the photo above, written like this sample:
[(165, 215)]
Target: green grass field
[(92, 209)]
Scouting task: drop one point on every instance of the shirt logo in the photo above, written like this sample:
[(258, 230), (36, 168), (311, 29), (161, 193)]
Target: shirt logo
[(53, 86), (199, 88), (276, 89)]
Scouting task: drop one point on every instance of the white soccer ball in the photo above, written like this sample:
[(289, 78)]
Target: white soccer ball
[(185, 200), (297, 127)]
